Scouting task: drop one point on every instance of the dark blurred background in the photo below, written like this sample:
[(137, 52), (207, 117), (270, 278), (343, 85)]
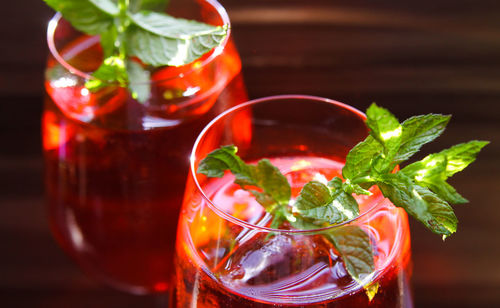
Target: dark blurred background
[(412, 57)]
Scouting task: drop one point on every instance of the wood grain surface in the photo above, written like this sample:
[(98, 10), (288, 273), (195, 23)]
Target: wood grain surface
[(413, 57)]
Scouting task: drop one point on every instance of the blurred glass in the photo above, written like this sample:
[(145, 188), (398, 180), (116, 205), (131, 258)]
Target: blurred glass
[(115, 167)]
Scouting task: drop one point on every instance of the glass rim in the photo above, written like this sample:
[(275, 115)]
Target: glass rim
[(54, 22), (224, 215)]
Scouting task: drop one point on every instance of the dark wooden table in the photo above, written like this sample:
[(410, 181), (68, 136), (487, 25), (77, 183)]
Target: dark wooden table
[(411, 56)]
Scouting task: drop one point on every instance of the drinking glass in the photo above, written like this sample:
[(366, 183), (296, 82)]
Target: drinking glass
[(227, 255), (115, 167)]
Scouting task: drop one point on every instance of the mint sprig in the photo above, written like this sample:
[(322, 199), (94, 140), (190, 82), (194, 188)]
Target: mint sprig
[(420, 188), (317, 205), (137, 28), (269, 186)]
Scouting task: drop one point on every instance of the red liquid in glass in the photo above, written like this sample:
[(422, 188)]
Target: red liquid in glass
[(283, 270), (116, 169)]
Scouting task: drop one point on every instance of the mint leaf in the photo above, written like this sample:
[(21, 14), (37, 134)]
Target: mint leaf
[(139, 81), (317, 203), (461, 155), (151, 5), (314, 203), (107, 6), (419, 130), (440, 210), (222, 159), (432, 166), (159, 39), (349, 187), (435, 213), (346, 205), (84, 15), (111, 71), (358, 190), (335, 183), (433, 171), (359, 159), (385, 128), (354, 246), (176, 28), (274, 185), (444, 190), (271, 180), (313, 195)]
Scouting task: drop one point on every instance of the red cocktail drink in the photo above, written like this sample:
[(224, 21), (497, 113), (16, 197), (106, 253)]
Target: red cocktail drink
[(227, 254), (115, 167)]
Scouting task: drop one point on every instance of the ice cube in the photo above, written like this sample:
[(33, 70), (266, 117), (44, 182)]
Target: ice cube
[(264, 259)]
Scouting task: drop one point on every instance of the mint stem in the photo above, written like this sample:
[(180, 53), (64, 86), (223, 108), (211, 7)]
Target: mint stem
[(364, 179), (122, 23)]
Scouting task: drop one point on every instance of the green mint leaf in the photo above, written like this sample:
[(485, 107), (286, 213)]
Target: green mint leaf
[(314, 203), (175, 28), (313, 195), (359, 159), (346, 205), (385, 128), (432, 166), (444, 190), (335, 183), (461, 155), (139, 81), (84, 15), (159, 39), (435, 213), (354, 246), (264, 199), (358, 190), (440, 210), (270, 179), (350, 187), (107, 6), (222, 159), (112, 70), (151, 5), (317, 203), (419, 130), (433, 171), (274, 185)]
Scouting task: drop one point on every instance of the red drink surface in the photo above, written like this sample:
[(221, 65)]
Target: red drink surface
[(220, 264), (116, 169)]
